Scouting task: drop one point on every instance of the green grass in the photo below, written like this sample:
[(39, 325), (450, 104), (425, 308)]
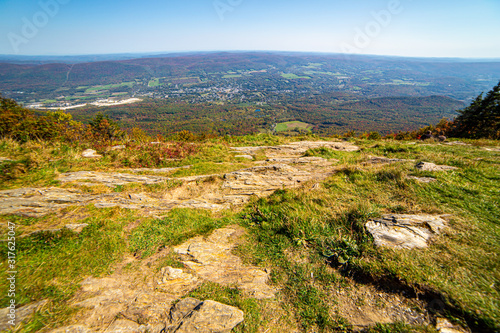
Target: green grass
[(462, 265), (292, 76), (178, 226), (154, 83), (53, 264), (324, 228), (292, 125), (109, 86)]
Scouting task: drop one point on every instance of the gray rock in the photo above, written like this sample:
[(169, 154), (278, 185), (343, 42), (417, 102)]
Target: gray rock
[(204, 317), (90, 153), (426, 166), (423, 179), (118, 147), (405, 231), (441, 138)]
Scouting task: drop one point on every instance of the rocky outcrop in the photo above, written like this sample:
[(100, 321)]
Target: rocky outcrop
[(211, 260), (405, 231), (105, 299), (286, 168), (267, 178), (141, 300)]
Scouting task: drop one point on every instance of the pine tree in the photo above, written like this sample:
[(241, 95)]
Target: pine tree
[(481, 119)]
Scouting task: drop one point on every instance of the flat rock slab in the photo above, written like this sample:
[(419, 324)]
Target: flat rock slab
[(268, 178), (104, 299), (191, 315), (296, 148), (426, 166), (110, 178), (211, 260), (405, 231), (36, 202)]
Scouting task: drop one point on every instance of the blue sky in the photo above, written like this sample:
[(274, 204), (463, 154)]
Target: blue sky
[(429, 28)]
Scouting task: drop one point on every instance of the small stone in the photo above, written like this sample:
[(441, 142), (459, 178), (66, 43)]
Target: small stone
[(90, 153), (426, 166), (118, 147), (248, 157), (78, 228)]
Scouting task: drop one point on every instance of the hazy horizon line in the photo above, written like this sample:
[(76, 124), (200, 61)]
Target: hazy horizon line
[(153, 53)]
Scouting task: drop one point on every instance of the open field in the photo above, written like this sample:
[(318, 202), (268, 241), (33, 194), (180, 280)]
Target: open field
[(108, 86), (292, 76), (292, 125)]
